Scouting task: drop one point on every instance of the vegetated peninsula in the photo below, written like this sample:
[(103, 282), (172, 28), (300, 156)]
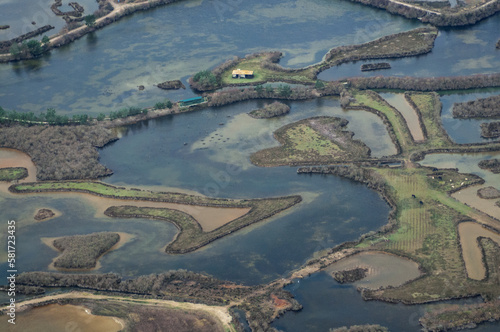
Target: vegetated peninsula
[(191, 236), (60, 152), (480, 108), (82, 251), (318, 140), (492, 165)]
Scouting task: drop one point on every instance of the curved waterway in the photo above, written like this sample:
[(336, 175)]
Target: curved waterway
[(169, 152), (328, 304)]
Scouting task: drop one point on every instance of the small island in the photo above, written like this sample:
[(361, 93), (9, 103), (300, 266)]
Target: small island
[(488, 193), (481, 108), (44, 214), (490, 129), (492, 165), (349, 276), (270, 111), (82, 251), (13, 173), (375, 66), (171, 85)]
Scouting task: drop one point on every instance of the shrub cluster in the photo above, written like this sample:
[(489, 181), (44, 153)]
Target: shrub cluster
[(62, 152), (492, 165), (490, 129), (480, 108), (426, 83), (176, 285), (204, 80), (50, 117), (82, 251), (270, 111), (163, 105)]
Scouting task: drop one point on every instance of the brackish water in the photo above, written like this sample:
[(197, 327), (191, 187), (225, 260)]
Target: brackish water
[(101, 72)]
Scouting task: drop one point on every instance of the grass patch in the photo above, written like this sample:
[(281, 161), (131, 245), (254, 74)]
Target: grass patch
[(426, 231), (13, 173), (318, 140)]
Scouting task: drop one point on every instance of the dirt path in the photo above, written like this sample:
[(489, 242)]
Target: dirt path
[(221, 313)]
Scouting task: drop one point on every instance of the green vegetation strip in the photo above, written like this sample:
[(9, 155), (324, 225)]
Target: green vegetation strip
[(106, 190), (191, 235), (13, 173)]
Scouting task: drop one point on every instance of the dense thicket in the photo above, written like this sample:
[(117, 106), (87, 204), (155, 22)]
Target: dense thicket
[(490, 129), (82, 251), (375, 66), (360, 328), (480, 108), (62, 152), (171, 285), (426, 83), (492, 165), (445, 18), (270, 111)]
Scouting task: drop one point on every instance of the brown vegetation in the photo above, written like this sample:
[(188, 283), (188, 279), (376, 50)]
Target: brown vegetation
[(480, 108), (171, 85), (172, 285), (426, 83), (349, 276), (62, 152), (44, 214), (488, 193), (361, 328), (270, 111), (493, 165), (445, 17), (82, 251), (375, 66), (490, 129), (458, 317)]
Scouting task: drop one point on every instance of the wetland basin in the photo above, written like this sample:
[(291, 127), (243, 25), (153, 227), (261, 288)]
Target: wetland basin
[(399, 102), (383, 269), (472, 253), (176, 41), (60, 318), (328, 304), (464, 130), (456, 52), (468, 163)]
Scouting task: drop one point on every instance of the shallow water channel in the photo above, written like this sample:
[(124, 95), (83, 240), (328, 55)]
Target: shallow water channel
[(208, 151)]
